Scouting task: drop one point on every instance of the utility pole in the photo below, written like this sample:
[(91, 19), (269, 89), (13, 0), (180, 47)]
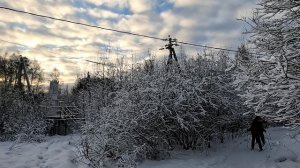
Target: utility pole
[(172, 53), (131, 66), (22, 64), (25, 74), (170, 46)]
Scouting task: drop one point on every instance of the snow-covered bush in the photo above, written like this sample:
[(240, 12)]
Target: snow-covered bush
[(148, 114), (20, 116)]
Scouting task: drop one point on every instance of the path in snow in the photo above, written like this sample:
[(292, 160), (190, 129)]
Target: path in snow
[(56, 152), (281, 151)]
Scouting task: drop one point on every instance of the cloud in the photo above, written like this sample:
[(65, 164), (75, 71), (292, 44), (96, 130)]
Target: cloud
[(101, 14), (193, 3), (136, 6), (55, 8), (140, 6), (198, 21), (110, 3), (66, 46)]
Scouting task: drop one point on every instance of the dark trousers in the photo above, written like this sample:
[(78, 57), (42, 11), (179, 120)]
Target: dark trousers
[(262, 137), (257, 139)]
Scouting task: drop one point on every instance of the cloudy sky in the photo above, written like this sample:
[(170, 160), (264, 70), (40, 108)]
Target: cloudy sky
[(66, 46)]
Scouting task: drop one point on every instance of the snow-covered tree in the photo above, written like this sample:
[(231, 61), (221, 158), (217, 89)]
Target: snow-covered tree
[(20, 112), (275, 73)]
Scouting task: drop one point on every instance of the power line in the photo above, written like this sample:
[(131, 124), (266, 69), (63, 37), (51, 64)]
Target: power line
[(13, 43), (205, 46), (118, 31), (78, 23), (38, 49), (66, 49), (100, 63)]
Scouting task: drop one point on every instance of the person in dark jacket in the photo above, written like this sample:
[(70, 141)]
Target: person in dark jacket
[(257, 131)]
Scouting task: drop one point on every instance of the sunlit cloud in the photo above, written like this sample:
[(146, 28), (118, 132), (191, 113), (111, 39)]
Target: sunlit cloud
[(66, 46)]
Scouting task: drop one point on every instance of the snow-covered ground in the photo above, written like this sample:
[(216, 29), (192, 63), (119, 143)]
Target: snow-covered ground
[(281, 151), (56, 152)]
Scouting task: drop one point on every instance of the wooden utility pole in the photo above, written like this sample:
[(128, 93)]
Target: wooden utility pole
[(25, 74), (22, 65)]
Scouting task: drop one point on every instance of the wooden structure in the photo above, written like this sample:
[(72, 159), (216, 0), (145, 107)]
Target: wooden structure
[(60, 115)]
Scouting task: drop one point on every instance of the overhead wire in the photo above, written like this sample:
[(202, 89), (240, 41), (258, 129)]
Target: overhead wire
[(67, 49), (205, 46), (38, 49), (78, 23), (57, 54), (13, 43), (119, 31)]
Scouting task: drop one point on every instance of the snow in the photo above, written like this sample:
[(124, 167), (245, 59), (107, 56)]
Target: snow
[(56, 152), (282, 150)]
